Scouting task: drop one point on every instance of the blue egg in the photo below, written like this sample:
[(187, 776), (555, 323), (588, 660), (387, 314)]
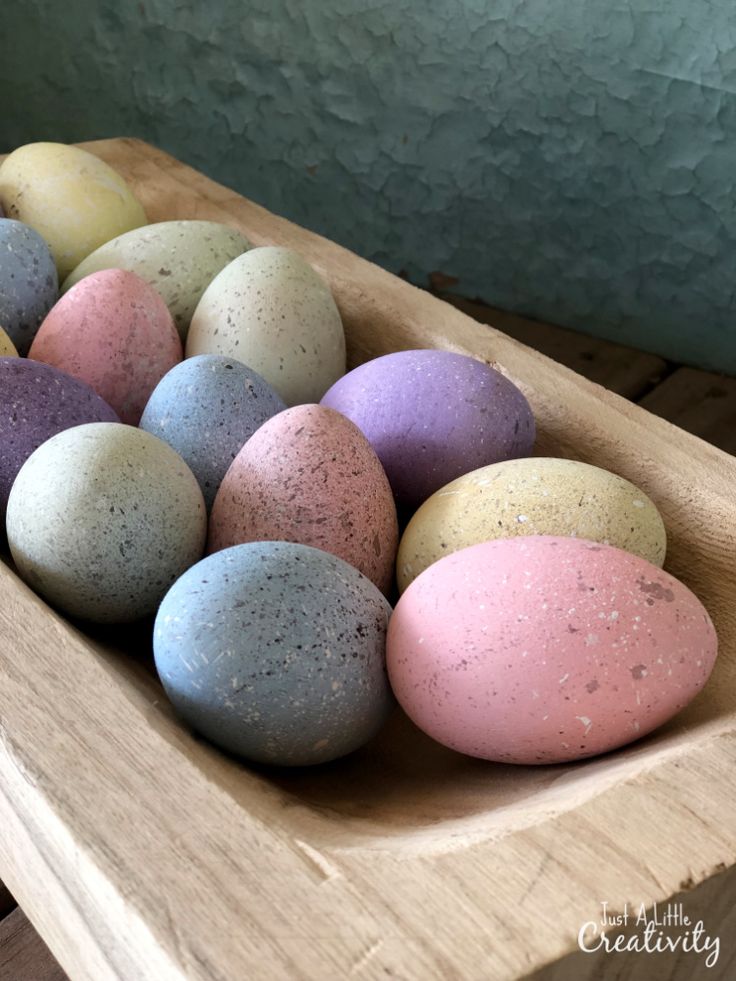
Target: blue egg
[(276, 652), (29, 285), (206, 408)]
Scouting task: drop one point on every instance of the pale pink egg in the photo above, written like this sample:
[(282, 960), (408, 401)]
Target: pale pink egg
[(308, 475), (546, 649), (113, 331)]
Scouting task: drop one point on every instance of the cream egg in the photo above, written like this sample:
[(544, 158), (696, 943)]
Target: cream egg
[(271, 310)]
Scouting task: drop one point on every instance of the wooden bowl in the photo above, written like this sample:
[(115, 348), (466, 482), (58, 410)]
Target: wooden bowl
[(140, 852)]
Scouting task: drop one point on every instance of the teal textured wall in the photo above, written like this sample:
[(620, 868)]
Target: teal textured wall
[(572, 160)]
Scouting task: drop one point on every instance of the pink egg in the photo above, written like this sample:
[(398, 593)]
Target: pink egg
[(546, 649), (308, 475), (113, 331)]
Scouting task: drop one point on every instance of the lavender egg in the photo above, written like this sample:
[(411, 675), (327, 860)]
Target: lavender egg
[(28, 282), (432, 416), (37, 402)]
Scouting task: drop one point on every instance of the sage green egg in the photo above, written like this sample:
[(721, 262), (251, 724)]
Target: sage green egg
[(272, 311), (531, 496), (178, 258), (102, 519)]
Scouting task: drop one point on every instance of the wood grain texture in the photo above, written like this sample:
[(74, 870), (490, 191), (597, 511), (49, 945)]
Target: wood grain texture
[(713, 903), (700, 402), (23, 955), (141, 853), (620, 369)]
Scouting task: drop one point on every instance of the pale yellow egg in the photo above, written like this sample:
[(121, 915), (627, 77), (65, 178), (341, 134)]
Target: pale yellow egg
[(7, 348), (269, 309), (531, 496), (74, 200)]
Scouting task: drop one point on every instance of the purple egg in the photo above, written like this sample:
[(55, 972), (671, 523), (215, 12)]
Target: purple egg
[(37, 402), (432, 416)]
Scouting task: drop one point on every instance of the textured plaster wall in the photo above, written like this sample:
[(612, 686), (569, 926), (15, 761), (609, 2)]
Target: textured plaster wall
[(571, 159)]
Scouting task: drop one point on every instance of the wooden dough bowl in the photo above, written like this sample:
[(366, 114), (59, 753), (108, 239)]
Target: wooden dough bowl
[(140, 852)]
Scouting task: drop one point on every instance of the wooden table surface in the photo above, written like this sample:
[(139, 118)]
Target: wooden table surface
[(700, 402)]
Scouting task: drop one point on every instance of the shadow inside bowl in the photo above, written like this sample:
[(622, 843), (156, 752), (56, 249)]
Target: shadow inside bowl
[(402, 786)]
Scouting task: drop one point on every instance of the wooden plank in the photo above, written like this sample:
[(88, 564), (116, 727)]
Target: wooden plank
[(621, 369), (141, 853), (23, 955), (700, 402)]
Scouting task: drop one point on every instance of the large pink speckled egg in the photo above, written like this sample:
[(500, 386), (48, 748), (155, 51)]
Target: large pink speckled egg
[(546, 649), (308, 475), (113, 331)]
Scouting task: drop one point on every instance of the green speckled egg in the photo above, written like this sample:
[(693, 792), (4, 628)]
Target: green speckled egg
[(177, 258), (102, 518)]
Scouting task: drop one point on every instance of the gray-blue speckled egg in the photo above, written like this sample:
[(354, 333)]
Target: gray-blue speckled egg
[(28, 282), (206, 408), (276, 652)]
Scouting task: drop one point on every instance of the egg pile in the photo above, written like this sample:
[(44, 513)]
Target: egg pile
[(181, 439)]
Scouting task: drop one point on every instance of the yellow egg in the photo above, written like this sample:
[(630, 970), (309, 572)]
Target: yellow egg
[(531, 496), (72, 199), (7, 348)]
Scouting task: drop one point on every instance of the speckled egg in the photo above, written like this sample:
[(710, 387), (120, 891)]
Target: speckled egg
[(271, 310), (546, 649), (7, 348), (73, 200), (36, 402), (102, 519), (114, 332), (432, 416), (531, 496), (309, 475), (276, 652), (28, 283), (178, 258), (206, 408)]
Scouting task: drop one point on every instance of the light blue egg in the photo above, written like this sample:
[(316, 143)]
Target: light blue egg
[(276, 652), (29, 284), (206, 408)]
